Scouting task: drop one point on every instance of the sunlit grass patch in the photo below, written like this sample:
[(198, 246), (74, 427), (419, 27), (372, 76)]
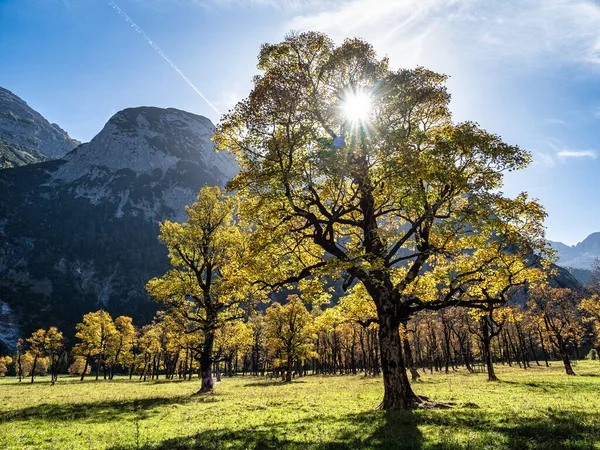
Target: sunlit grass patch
[(537, 408)]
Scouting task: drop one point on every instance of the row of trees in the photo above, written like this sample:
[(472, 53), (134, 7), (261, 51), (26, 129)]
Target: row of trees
[(289, 339)]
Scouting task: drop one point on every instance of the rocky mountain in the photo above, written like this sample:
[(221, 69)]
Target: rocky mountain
[(580, 256), (26, 137), (80, 233)]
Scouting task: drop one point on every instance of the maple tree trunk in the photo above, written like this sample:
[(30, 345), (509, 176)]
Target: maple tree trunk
[(218, 370), (364, 353), (487, 355), (288, 369), (487, 350), (87, 362), (398, 394), (409, 359), (33, 368), (565, 356), (206, 363)]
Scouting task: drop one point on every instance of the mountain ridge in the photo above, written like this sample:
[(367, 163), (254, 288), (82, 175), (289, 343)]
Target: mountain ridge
[(26, 137), (583, 255)]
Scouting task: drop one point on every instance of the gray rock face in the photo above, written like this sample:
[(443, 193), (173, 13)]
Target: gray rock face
[(9, 328), (26, 137), (146, 139), (584, 255), (155, 146), (81, 233)]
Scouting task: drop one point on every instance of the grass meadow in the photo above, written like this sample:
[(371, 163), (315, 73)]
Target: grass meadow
[(537, 408)]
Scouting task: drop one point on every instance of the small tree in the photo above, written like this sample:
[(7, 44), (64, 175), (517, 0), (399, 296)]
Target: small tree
[(489, 325), (33, 365), (48, 344), (257, 324), (290, 332), (207, 285), (590, 307), (556, 308), (54, 350), (36, 342), (121, 351), (96, 334), (232, 340)]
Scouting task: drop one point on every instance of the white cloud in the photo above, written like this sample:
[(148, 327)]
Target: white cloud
[(555, 122), (529, 32), (564, 154), (519, 32), (286, 5), (543, 159)]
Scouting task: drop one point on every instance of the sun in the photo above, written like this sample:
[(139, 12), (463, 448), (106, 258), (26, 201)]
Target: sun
[(356, 107)]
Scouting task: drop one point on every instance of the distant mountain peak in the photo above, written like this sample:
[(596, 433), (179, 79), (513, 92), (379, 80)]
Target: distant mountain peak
[(145, 138), (26, 137), (583, 255), (146, 146)]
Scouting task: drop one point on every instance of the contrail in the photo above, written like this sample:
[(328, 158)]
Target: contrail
[(124, 15)]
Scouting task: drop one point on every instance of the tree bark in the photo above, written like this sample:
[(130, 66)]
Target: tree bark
[(398, 394), (33, 368), (544, 353), (565, 356), (87, 361), (288, 370), (409, 358), (487, 351), (206, 363)]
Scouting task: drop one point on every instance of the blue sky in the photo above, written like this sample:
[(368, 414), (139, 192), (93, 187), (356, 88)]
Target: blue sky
[(527, 70)]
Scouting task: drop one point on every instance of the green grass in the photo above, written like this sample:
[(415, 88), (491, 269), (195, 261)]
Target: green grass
[(537, 409)]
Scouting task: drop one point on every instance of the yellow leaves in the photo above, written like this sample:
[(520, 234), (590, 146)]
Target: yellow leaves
[(290, 328), (558, 308), (45, 342), (591, 306), (5, 361), (330, 319), (358, 306), (499, 314), (103, 338), (233, 337), (41, 364), (314, 291), (213, 263)]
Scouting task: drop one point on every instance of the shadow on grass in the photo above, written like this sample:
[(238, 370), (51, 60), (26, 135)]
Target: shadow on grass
[(560, 430), (273, 383), (372, 430), (380, 430), (94, 412), (578, 384), (554, 430)]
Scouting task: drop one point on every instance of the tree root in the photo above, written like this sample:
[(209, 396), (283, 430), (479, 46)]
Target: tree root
[(421, 402), (202, 391), (436, 405)]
